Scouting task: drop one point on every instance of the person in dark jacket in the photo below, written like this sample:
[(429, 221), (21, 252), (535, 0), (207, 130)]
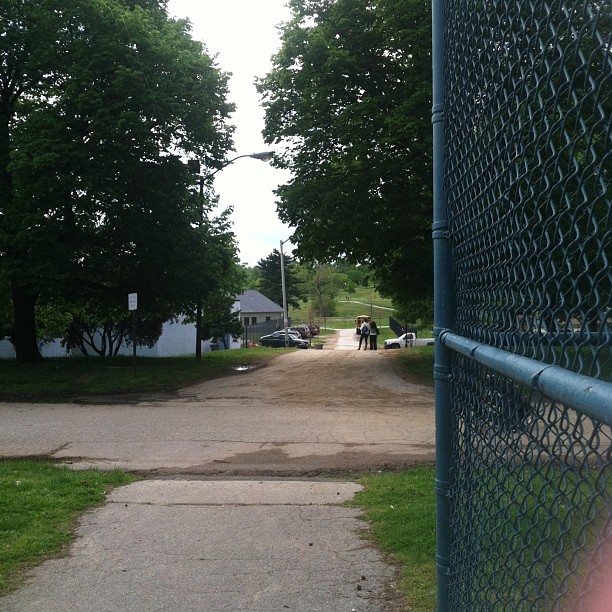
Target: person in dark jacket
[(374, 331)]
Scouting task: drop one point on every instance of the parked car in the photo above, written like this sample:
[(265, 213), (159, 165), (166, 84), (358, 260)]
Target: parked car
[(277, 340), (302, 330), (407, 339), (291, 332), (314, 330)]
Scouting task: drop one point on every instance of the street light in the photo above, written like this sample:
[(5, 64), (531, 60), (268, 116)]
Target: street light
[(194, 166), (285, 315)]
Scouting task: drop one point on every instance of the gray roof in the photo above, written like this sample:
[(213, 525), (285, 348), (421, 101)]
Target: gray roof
[(253, 301)]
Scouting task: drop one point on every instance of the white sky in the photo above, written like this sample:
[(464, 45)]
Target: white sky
[(243, 35)]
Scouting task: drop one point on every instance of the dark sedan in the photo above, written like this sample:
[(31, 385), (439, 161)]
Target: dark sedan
[(277, 340)]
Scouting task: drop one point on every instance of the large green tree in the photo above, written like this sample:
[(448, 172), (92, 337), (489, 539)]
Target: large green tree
[(220, 320), (349, 97), (322, 282), (251, 276), (270, 281), (97, 100)]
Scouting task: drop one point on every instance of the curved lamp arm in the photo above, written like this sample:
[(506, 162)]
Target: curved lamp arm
[(194, 164), (263, 156)]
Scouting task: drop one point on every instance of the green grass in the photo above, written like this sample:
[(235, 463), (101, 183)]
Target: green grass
[(536, 519), (547, 518), (401, 508), (39, 505), (367, 295), (62, 378), (347, 311), (365, 301), (416, 364)]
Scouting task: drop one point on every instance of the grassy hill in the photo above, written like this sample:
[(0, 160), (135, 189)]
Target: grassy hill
[(365, 300)]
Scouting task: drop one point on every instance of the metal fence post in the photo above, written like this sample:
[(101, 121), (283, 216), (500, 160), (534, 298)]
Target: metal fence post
[(443, 314)]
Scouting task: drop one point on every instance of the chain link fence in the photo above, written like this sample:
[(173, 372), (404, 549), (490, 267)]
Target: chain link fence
[(525, 102), (252, 333)]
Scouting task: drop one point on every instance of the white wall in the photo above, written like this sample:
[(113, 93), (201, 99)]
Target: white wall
[(51, 349), (176, 339)]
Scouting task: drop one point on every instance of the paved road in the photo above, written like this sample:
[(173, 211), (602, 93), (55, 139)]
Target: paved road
[(309, 412), (214, 528)]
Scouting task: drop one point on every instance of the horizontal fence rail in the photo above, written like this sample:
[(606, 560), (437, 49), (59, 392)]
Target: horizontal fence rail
[(591, 396)]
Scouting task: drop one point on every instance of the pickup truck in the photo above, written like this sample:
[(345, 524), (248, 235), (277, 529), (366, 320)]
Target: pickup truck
[(407, 340)]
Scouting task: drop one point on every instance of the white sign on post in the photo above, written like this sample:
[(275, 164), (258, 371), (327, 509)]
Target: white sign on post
[(132, 301)]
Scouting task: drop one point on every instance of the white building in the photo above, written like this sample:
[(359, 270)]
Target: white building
[(176, 338)]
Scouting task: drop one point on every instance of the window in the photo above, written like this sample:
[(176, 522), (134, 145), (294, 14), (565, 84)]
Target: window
[(253, 320)]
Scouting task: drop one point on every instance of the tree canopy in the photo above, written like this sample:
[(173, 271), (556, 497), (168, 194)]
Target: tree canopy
[(349, 98), (98, 99), (270, 282), (322, 284)]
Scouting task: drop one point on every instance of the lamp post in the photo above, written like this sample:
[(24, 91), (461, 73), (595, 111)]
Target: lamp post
[(194, 166), (285, 315)]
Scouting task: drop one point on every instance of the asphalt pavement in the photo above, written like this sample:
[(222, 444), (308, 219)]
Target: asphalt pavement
[(226, 519)]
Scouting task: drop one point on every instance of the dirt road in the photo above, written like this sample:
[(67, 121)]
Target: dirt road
[(308, 412)]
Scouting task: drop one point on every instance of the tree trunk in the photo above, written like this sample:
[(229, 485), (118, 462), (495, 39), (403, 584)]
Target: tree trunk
[(5, 154), (24, 334)]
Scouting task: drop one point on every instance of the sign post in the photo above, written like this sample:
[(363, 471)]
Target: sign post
[(133, 307)]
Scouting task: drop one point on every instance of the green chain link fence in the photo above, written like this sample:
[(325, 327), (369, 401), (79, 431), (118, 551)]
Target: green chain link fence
[(522, 127)]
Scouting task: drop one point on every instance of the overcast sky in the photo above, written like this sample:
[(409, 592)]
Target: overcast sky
[(243, 35)]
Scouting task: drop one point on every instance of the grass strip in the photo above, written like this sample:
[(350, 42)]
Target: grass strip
[(401, 509), (416, 364), (39, 506), (61, 378)]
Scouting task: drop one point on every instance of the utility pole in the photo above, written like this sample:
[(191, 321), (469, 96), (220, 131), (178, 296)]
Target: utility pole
[(198, 346), (285, 314)]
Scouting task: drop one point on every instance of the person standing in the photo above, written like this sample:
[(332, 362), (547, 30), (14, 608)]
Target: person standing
[(373, 336), (364, 332)]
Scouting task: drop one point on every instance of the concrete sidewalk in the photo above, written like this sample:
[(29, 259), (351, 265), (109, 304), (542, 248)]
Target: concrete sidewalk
[(346, 340), (212, 546)]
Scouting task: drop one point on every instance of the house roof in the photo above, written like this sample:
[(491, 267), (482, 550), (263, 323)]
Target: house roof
[(253, 301)]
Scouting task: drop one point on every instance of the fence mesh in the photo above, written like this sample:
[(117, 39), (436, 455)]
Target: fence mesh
[(528, 110)]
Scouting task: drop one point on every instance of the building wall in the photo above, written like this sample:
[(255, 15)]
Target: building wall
[(176, 340), (261, 316), (50, 349)]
